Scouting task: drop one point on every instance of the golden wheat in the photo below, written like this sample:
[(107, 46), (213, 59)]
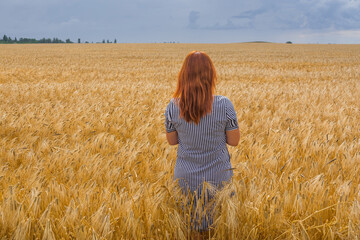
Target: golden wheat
[(83, 151)]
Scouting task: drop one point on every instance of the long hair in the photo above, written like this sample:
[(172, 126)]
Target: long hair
[(195, 86)]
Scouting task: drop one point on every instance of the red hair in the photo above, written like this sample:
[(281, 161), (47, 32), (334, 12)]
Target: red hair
[(195, 86)]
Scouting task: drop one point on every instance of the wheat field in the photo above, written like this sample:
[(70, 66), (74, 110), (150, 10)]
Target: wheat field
[(83, 152)]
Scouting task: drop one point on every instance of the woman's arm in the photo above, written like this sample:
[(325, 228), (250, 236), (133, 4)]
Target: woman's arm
[(172, 137), (232, 137)]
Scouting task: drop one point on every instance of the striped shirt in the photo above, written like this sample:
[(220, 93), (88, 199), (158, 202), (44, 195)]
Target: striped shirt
[(202, 154)]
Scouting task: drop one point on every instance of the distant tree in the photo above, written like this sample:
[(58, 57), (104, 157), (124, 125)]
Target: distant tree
[(103, 41), (5, 38), (57, 40), (289, 42), (107, 41), (79, 40), (15, 39), (115, 40), (86, 42), (68, 41)]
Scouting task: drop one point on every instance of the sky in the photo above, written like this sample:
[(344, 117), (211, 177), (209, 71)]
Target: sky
[(184, 21)]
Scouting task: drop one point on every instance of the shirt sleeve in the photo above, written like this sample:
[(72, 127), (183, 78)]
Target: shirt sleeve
[(231, 118), (169, 124)]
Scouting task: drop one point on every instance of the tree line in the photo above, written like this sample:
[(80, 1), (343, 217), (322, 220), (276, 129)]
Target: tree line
[(7, 39)]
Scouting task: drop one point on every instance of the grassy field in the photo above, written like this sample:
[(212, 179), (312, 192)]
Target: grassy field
[(83, 152)]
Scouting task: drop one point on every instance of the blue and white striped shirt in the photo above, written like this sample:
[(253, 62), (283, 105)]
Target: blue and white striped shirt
[(202, 152)]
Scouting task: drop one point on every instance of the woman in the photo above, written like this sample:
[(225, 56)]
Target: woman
[(202, 124)]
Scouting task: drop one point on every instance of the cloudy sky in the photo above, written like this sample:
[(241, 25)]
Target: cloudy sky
[(202, 21)]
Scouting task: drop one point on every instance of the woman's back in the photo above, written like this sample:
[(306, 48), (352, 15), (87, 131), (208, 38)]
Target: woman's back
[(202, 153), (202, 124)]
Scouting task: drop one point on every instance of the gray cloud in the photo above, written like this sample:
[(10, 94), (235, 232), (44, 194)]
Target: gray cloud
[(183, 20), (334, 14), (193, 18), (250, 14), (294, 15), (230, 24)]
